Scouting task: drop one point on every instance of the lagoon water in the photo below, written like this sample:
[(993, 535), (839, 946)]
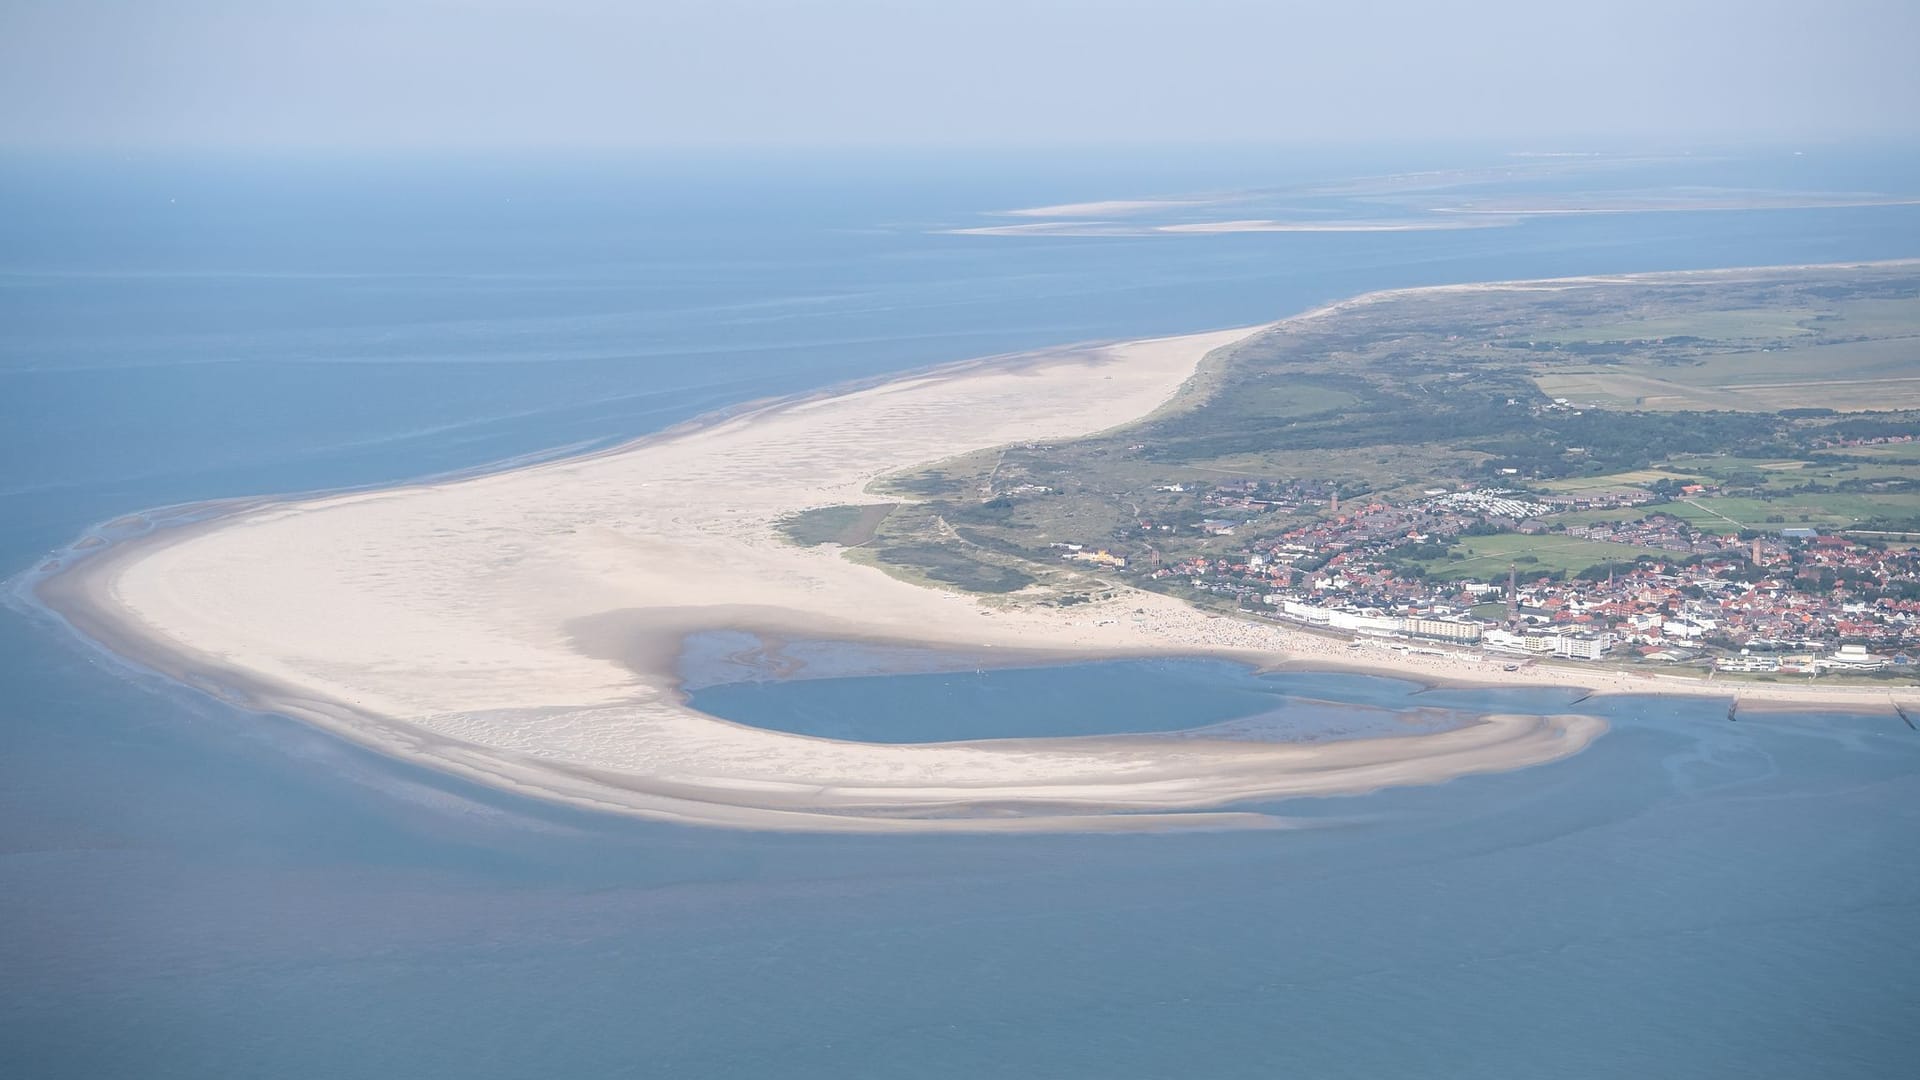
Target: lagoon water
[(1193, 698), (186, 891)]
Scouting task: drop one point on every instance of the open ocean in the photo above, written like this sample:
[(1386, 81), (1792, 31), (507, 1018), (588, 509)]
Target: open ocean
[(188, 891)]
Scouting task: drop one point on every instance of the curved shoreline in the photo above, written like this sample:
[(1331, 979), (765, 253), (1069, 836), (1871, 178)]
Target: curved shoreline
[(532, 648)]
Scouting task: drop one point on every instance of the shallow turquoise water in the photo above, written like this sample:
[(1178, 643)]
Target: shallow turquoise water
[(189, 892)]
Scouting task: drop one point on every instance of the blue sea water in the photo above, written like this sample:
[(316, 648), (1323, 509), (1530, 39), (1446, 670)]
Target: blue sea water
[(1196, 698), (186, 891)]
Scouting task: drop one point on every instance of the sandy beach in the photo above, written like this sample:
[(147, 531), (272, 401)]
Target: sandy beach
[(520, 628)]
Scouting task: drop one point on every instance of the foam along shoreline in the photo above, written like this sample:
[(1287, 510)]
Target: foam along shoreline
[(520, 628)]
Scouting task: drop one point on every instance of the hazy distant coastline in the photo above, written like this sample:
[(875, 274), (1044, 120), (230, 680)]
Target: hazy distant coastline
[(1438, 209)]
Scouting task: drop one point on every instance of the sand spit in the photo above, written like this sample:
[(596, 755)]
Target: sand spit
[(519, 628), (1214, 228), (1109, 207)]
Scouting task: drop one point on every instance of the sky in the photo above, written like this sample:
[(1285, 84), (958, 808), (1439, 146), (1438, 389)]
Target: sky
[(643, 74)]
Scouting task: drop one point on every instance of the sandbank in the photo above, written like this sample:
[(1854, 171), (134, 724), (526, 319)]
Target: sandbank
[(1214, 228), (1106, 207)]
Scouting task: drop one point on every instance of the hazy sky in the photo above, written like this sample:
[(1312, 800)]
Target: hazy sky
[(651, 73)]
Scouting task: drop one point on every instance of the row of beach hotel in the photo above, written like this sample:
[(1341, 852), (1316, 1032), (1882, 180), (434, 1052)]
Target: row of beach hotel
[(1561, 642), (1567, 643)]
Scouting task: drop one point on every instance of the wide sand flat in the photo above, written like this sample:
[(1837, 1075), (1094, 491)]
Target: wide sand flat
[(519, 628)]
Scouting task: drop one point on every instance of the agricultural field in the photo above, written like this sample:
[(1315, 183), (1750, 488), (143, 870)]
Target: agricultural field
[(1774, 476), (1484, 556), (1737, 324), (1892, 452), (1833, 510), (1637, 478), (1753, 382), (1847, 355), (1615, 515)]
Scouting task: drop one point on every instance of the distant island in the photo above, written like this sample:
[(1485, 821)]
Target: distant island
[(1410, 202), (1385, 466)]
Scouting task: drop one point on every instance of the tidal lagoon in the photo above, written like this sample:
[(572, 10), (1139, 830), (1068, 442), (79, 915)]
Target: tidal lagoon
[(193, 890)]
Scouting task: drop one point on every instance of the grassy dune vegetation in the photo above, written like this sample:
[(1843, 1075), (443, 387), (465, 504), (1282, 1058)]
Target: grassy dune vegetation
[(848, 526), (1776, 391)]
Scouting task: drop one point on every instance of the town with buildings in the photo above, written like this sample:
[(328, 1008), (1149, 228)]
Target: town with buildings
[(1787, 600)]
